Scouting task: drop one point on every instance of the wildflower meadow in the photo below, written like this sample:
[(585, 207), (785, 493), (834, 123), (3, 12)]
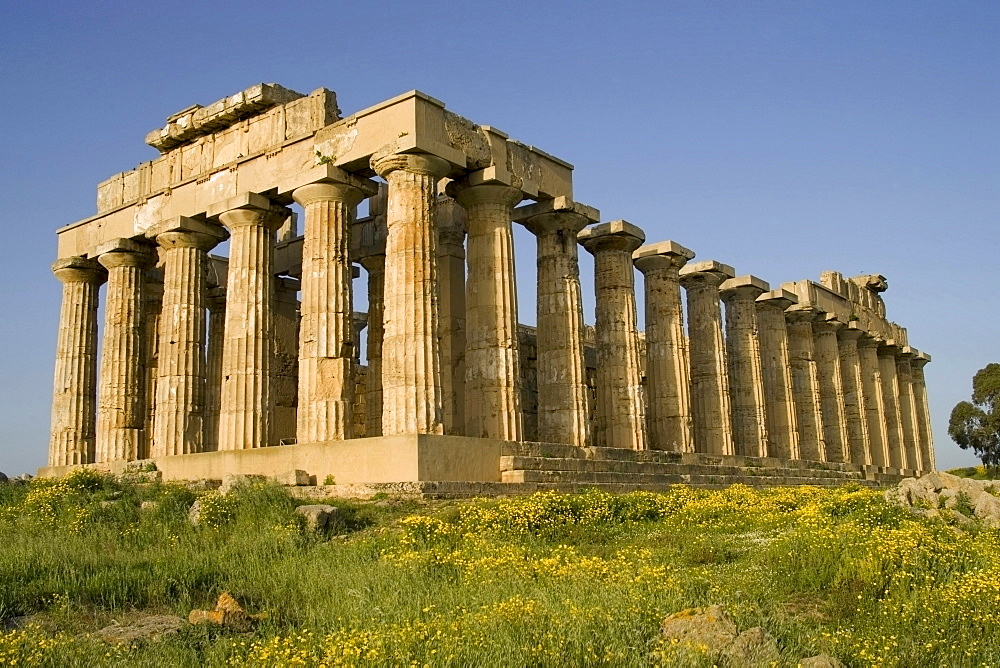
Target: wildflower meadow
[(544, 580)]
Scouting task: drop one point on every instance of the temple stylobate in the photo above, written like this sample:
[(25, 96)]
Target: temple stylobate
[(253, 363)]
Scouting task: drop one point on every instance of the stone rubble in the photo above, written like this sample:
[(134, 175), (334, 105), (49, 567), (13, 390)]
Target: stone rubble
[(940, 494)]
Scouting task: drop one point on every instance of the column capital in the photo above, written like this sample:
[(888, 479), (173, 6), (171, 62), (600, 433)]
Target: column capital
[(387, 160), (828, 323), (558, 213), (215, 299), (469, 194), (747, 287), (906, 353), (661, 255), (851, 332), (77, 269), (181, 232), (617, 235), (803, 313), (709, 271), (323, 174), (779, 298), (889, 348), (249, 209), (124, 253), (350, 193), (920, 359)]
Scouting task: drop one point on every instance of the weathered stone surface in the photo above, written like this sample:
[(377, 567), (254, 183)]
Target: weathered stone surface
[(782, 423), (820, 661), (151, 628), (317, 517), (712, 631), (746, 375), (293, 478), (940, 494), (234, 481), (227, 613)]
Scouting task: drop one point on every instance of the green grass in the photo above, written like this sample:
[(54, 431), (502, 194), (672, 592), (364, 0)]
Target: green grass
[(546, 580), (977, 472)]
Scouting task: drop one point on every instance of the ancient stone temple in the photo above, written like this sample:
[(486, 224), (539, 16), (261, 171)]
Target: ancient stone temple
[(205, 365)]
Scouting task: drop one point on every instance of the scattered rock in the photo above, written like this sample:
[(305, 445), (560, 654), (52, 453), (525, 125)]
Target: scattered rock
[(233, 481), (712, 629), (3, 477), (295, 478), (203, 485), (942, 495), (141, 476), (153, 628), (140, 465), (227, 613), (107, 504), (318, 517), (22, 479), (194, 513), (821, 661), (149, 505)]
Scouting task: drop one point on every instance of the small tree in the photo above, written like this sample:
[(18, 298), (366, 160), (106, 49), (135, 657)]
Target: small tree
[(976, 425)]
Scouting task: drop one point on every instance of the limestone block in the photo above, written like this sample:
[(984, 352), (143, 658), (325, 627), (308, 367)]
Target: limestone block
[(317, 517), (293, 478)]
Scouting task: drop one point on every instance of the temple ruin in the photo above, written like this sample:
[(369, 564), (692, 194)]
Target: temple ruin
[(207, 365)]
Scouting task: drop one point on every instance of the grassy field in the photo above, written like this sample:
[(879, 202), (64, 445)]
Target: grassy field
[(546, 580)]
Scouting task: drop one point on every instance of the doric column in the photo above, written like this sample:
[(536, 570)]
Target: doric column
[(805, 382), (620, 417), (450, 219), (411, 353), (74, 393), (746, 376), (562, 383), (180, 384), (782, 423), (890, 400), (668, 401), (855, 409), (492, 369), (831, 388), (375, 266), (908, 409), (121, 399), (245, 417), (151, 351), (925, 436), (874, 401), (216, 302), (710, 407), (285, 363), (326, 338)]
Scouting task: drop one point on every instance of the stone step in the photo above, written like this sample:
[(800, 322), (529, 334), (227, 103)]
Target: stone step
[(589, 477), (515, 463)]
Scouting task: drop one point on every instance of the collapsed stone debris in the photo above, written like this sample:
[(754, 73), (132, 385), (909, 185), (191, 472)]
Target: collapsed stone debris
[(252, 363)]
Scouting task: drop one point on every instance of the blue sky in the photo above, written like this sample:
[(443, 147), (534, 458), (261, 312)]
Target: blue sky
[(783, 138)]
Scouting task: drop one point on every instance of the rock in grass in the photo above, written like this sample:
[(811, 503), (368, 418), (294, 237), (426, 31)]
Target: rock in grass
[(3, 477), (233, 481), (227, 613), (318, 516), (295, 478), (927, 494), (820, 661), (711, 629), (153, 627)]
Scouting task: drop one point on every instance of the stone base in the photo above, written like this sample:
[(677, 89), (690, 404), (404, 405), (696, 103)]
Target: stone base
[(454, 466)]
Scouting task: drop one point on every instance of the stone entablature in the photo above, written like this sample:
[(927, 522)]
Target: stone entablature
[(206, 355)]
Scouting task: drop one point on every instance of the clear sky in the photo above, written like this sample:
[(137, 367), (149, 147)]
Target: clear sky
[(783, 138)]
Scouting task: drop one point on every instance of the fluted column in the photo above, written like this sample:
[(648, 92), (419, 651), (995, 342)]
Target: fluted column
[(562, 383), (375, 266), (326, 337), (620, 420), (121, 399), (285, 363), (74, 394), (710, 406), (245, 417), (746, 375), (411, 354), (890, 400), (831, 388), (492, 366), (871, 388), (216, 302), (805, 382), (450, 219), (782, 423), (180, 385), (668, 401), (151, 351), (855, 409), (925, 436), (908, 409)]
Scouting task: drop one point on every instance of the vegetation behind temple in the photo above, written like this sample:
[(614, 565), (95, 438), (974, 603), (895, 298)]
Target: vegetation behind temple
[(551, 579)]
